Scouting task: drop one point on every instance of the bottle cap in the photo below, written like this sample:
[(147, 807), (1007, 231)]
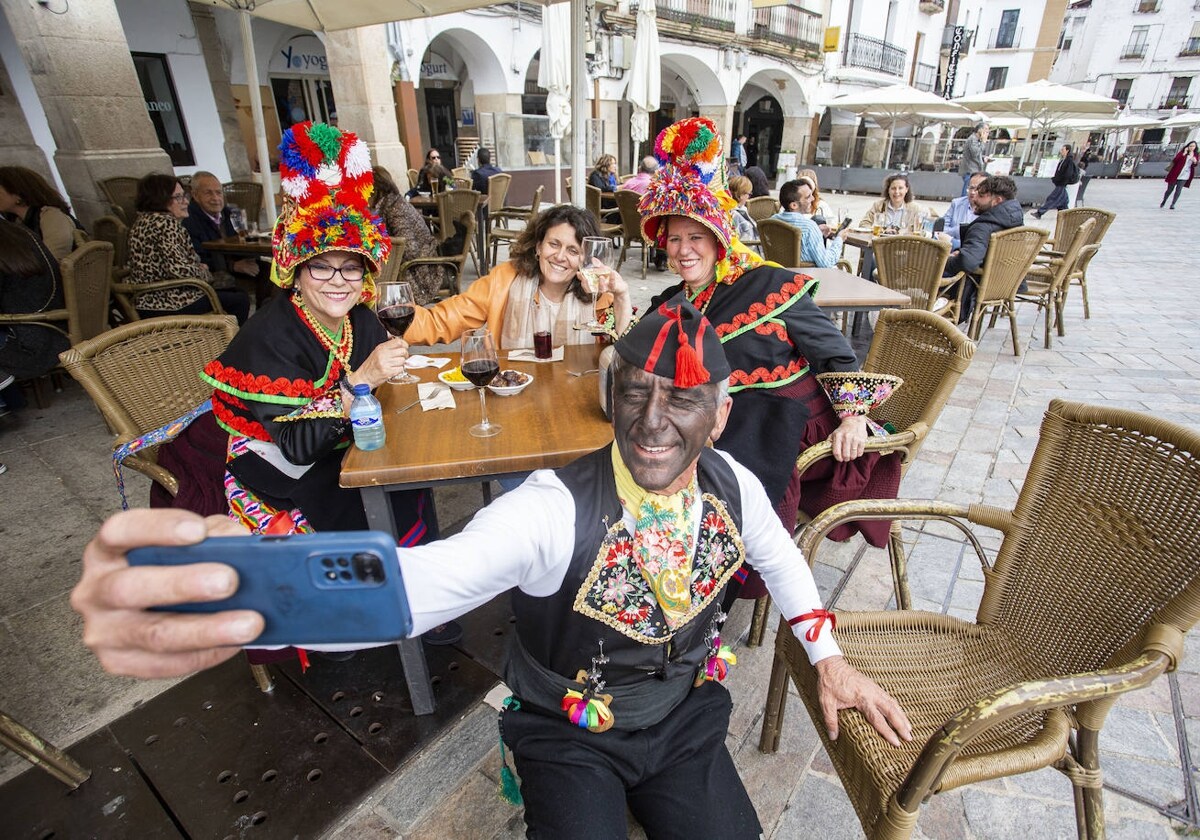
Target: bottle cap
[(362, 390)]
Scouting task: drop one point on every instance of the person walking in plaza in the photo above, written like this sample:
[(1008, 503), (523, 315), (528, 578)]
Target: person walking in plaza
[(160, 249), (1065, 174), (616, 665), (1181, 172), (973, 159), (1086, 158), (27, 198), (738, 154)]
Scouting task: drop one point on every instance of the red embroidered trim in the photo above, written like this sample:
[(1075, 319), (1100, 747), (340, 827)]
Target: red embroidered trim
[(773, 328), (260, 384), (814, 629), (240, 424), (761, 308), (762, 374)]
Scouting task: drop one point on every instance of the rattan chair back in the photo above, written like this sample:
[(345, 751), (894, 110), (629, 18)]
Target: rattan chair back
[(593, 206), (781, 242), (912, 265), (762, 207), (468, 220), (1009, 256), (498, 185), (930, 354), (121, 193), (145, 374), (631, 227), (247, 195), (1068, 221), (112, 230), (87, 281), (451, 205), (414, 178)]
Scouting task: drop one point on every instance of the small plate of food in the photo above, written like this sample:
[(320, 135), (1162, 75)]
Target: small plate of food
[(455, 379), (509, 382)]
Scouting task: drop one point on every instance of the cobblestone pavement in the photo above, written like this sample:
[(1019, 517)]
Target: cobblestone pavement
[(1139, 350)]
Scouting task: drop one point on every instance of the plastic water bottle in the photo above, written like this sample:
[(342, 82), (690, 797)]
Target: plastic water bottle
[(366, 416)]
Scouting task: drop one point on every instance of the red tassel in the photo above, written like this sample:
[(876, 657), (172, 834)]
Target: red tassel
[(689, 370), (302, 655)]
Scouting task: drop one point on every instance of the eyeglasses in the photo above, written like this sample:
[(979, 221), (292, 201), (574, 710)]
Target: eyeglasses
[(180, 198), (351, 272)]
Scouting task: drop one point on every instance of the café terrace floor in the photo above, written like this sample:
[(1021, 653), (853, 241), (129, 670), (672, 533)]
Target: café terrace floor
[(1139, 350)]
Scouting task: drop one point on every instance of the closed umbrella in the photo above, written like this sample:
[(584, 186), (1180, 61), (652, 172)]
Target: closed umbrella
[(645, 76), (1042, 103), (554, 76)]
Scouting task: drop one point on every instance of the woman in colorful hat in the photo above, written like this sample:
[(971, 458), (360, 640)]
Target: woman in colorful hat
[(282, 387), (774, 335)]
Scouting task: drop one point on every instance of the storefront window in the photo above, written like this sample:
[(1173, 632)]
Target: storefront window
[(163, 107)]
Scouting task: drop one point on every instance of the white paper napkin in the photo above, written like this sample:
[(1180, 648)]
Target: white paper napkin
[(419, 361), (434, 395), (526, 355)]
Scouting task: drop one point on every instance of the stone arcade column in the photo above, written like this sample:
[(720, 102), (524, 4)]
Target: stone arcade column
[(722, 116), (217, 64), (795, 138), (360, 69), (17, 144), (81, 68)]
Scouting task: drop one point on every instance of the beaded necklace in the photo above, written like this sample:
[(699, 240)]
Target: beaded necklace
[(702, 298), (340, 344)]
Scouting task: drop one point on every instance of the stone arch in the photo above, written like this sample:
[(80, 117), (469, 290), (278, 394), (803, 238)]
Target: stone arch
[(700, 79), (484, 67)]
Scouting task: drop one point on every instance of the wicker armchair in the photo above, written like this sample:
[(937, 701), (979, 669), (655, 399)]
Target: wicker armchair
[(930, 354), (455, 262), (146, 374), (414, 178), (1010, 254), (112, 230), (1095, 584), (121, 193), (631, 227), (1046, 284), (501, 232), (782, 243), (914, 265), (762, 207), (494, 203), (1104, 220), (86, 277), (247, 195), (126, 294), (612, 231)]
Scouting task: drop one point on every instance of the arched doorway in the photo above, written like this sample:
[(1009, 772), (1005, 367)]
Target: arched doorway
[(762, 123)]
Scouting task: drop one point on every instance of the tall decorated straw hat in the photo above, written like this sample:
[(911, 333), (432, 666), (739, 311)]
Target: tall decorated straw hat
[(690, 182), (327, 182)]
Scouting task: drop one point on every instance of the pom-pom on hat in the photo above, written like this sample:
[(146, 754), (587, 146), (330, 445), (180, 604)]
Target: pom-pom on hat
[(690, 182), (327, 182), (676, 342)]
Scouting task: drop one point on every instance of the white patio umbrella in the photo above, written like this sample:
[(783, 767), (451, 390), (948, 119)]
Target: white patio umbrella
[(645, 79), (1181, 120), (554, 75), (897, 103), (1041, 102)]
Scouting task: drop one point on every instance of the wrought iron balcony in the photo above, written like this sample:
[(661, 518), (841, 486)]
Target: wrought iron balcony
[(1133, 51), (925, 77), (1190, 48), (792, 26), (714, 14), (1005, 38), (1174, 102), (874, 54)]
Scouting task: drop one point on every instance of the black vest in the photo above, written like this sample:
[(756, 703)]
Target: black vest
[(604, 597)]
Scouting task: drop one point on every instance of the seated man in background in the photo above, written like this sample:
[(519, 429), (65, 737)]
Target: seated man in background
[(995, 204), (479, 177), (208, 219), (960, 213), (640, 182), (603, 715), (796, 198)]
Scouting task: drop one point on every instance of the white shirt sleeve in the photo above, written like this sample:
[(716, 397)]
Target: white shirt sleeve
[(771, 551), (524, 538)]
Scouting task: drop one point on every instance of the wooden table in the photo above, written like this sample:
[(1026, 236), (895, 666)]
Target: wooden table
[(556, 419), (259, 247), (860, 239), (842, 291)]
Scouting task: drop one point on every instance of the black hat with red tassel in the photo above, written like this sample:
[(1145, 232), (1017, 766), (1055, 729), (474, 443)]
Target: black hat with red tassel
[(678, 343)]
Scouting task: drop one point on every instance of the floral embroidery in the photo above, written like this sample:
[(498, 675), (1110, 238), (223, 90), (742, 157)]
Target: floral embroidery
[(617, 594), (325, 406)]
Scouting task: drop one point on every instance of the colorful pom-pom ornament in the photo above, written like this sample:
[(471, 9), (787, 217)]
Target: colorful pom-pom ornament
[(587, 711), (717, 666)]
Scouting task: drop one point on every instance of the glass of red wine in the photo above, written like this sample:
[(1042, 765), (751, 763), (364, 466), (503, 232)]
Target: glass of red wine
[(479, 366), (395, 310)]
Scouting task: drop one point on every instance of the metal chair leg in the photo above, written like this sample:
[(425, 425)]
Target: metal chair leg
[(262, 676), (40, 753), (899, 568)]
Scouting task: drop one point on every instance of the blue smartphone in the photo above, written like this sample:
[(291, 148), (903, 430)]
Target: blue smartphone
[(312, 589)]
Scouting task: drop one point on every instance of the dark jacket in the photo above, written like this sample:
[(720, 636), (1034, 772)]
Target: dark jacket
[(1177, 169), (978, 234), (1065, 173), (479, 178), (201, 228)]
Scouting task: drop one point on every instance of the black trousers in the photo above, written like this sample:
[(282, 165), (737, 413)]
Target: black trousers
[(677, 777)]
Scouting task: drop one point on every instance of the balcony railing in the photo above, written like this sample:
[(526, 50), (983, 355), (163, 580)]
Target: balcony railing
[(1133, 51), (792, 26), (874, 54), (1005, 38), (926, 77), (1174, 102), (715, 14), (1190, 48)]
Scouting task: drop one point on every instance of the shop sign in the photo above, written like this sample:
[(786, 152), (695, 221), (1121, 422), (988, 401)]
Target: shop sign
[(303, 55)]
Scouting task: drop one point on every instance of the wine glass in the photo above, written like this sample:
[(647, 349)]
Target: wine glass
[(479, 366), (596, 249), (395, 310)]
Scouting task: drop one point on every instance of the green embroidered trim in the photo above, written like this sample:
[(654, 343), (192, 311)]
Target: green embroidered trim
[(809, 288), (733, 389), (278, 399)]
